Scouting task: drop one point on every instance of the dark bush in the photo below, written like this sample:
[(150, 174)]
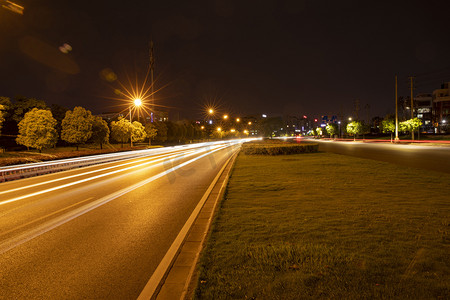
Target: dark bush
[(278, 148)]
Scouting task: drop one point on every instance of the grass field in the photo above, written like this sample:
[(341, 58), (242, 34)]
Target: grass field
[(324, 225)]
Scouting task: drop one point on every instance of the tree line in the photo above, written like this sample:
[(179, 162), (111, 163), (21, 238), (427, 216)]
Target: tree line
[(36, 125), (356, 128)]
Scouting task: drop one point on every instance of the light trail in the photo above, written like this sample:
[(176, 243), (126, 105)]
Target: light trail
[(58, 221), (78, 175), (193, 152), (44, 217)]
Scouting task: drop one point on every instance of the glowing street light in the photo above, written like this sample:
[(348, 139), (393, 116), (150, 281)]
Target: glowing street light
[(350, 118), (219, 129), (137, 103), (225, 117), (203, 127), (233, 130), (238, 120), (211, 111), (249, 123)]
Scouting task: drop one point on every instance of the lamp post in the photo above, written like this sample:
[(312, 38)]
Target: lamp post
[(339, 123), (137, 103)]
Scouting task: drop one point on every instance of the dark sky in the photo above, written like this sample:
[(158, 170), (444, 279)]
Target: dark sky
[(295, 57)]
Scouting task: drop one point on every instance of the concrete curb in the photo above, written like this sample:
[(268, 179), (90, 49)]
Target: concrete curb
[(173, 275)]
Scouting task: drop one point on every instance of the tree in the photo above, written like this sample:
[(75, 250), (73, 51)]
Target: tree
[(216, 135), (151, 131), (100, 131), (77, 126), (6, 102), (137, 132), (388, 126), (354, 128), (319, 131), (268, 125), (2, 116), (161, 135), (22, 105), (37, 130), (59, 113), (331, 129), (173, 132), (9, 126), (121, 130), (411, 125)]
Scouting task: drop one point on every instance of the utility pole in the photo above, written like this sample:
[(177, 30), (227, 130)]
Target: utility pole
[(131, 131), (412, 103), (152, 65), (396, 111)]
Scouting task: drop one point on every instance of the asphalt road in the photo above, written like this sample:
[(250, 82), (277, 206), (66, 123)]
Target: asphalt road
[(436, 158), (99, 232)]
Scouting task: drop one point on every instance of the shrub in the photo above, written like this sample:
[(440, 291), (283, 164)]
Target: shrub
[(277, 148)]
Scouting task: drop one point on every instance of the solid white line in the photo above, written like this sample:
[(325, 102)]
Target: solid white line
[(58, 221), (168, 258)]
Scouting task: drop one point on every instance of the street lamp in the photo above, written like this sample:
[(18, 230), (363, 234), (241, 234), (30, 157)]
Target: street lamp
[(225, 117), (136, 102), (339, 123)]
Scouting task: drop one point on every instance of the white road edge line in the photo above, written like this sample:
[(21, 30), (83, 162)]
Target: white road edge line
[(45, 227), (160, 271)]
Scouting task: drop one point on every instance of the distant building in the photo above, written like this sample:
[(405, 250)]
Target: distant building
[(158, 116), (441, 106), (424, 108), (109, 116)]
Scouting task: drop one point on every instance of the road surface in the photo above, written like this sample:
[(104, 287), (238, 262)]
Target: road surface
[(99, 232), (436, 158)]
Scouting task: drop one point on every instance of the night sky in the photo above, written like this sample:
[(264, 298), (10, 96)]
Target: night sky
[(288, 57)]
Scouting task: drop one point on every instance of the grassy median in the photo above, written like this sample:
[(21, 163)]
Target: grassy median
[(323, 225)]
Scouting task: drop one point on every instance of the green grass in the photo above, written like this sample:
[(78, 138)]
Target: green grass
[(328, 226)]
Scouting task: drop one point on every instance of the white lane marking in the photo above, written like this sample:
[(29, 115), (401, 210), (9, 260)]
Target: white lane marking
[(43, 217), (58, 221), (81, 174), (161, 269), (94, 177)]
